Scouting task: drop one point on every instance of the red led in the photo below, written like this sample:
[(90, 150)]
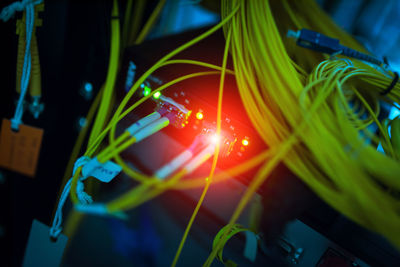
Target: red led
[(199, 115), (245, 142)]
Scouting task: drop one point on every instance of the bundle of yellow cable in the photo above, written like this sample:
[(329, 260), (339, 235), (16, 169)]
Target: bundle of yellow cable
[(305, 119), (321, 137), (122, 111)]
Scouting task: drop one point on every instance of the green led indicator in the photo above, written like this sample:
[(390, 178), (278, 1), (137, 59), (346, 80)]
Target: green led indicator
[(146, 91), (157, 95)]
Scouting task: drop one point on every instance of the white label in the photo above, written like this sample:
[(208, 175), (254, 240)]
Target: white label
[(41, 250), (103, 172)]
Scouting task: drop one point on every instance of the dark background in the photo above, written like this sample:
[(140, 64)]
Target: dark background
[(74, 47)]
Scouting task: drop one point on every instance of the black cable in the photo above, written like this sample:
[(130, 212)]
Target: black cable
[(392, 84), (356, 54), (322, 43)]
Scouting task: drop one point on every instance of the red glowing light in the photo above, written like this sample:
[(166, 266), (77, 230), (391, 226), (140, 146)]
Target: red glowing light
[(199, 115)]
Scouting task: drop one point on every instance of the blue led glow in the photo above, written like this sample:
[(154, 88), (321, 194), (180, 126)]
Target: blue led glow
[(88, 87)]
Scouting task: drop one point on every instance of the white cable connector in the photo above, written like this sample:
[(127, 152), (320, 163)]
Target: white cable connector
[(174, 103), (198, 143), (172, 166), (151, 129), (143, 122), (202, 157), (99, 209)]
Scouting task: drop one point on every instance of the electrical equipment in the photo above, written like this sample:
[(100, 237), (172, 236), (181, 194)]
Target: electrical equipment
[(239, 141), (199, 95), (280, 85)]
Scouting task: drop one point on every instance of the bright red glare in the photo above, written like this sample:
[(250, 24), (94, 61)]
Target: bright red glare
[(215, 138), (199, 115), (245, 142)]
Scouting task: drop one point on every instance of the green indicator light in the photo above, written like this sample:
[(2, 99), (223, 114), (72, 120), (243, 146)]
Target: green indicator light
[(157, 95), (146, 91)]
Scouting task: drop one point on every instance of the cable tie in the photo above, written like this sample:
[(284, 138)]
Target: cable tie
[(392, 84)]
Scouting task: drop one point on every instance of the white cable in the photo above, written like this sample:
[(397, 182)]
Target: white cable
[(143, 122), (56, 229), (200, 158), (99, 209), (5, 15), (151, 129), (83, 197), (104, 172), (26, 71), (173, 165)]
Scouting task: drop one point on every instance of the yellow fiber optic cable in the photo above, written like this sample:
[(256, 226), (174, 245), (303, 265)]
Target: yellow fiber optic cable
[(136, 21), (150, 22), (118, 159), (115, 119), (215, 158), (126, 24), (311, 110), (111, 74), (105, 103), (226, 174), (143, 193), (333, 160), (80, 140)]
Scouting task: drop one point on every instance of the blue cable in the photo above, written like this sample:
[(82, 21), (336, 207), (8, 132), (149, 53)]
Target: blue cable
[(5, 15)]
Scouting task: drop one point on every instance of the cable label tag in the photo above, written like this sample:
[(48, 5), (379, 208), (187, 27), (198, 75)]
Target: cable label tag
[(103, 172), (41, 250), (19, 151)]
